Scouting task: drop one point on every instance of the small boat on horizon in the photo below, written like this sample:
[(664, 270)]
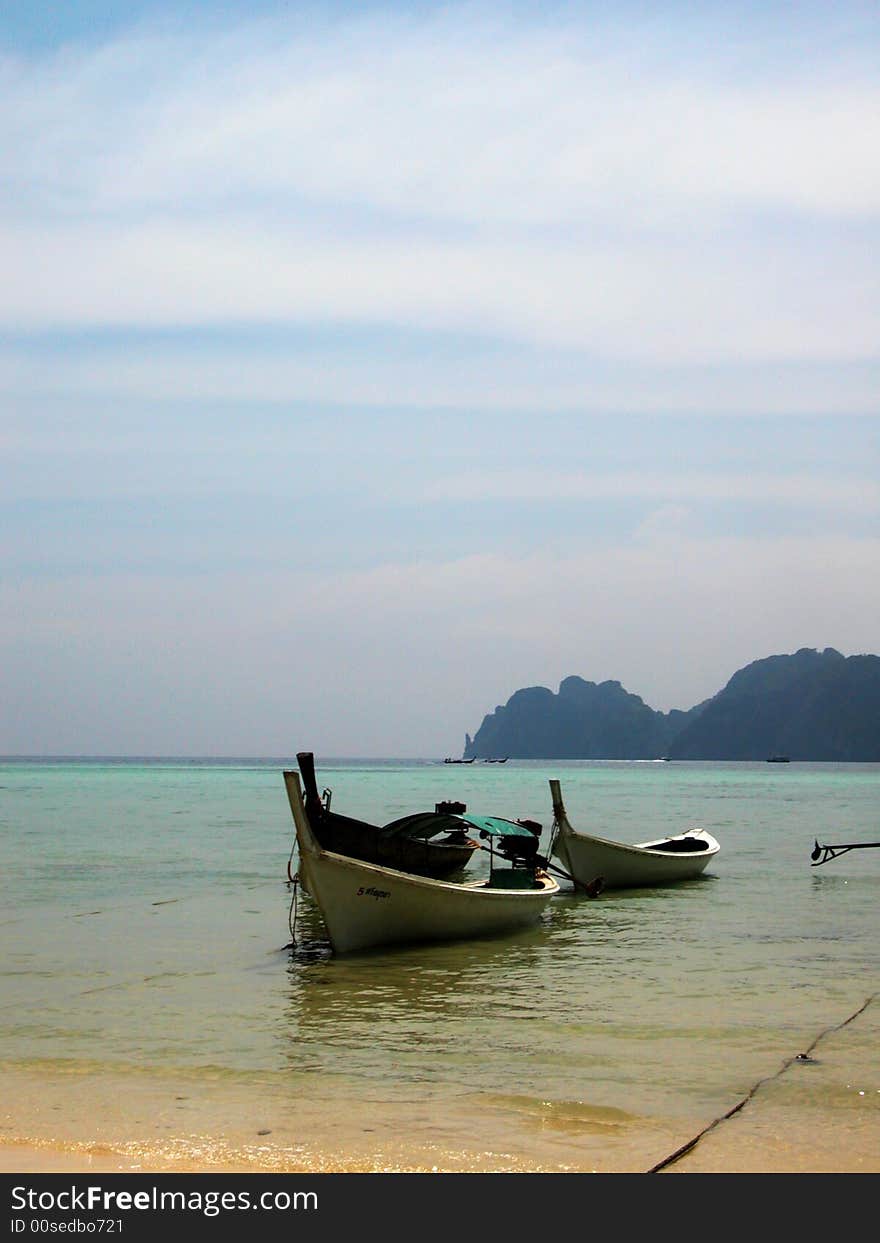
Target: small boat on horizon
[(618, 866), (364, 905), (778, 759), (450, 760)]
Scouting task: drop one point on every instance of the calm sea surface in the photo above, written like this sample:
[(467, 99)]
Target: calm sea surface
[(147, 976)]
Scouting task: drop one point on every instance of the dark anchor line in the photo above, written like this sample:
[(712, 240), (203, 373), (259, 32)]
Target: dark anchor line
[(821, 854), (804, 1058)]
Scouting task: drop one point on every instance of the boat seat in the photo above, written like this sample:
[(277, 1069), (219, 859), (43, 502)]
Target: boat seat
[(681, 846)]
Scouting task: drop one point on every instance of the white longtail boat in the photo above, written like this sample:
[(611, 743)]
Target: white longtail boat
[(618, 866), (365, 904)]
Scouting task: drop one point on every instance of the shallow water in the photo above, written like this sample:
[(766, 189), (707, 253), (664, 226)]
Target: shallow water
[(147, 992)]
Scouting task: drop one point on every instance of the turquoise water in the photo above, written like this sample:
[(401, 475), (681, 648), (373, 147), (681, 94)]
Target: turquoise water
[(145, 933)]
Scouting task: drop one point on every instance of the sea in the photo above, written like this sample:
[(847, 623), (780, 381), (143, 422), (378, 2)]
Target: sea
[(168, 996)]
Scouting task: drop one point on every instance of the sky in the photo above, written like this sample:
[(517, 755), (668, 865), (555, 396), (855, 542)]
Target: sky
[(363, 363)]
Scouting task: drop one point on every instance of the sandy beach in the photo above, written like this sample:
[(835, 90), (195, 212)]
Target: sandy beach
[(93, 1122), (744, 1148)]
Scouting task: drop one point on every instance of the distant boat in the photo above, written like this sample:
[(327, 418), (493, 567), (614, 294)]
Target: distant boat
[(618, 866), (449, 760), (365, 905), (778, 759), (496, 761)]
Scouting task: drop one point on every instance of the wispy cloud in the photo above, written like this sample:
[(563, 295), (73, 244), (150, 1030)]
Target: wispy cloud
[(861, 494), (640, 300), (569, 183), (437, 371), (457, 114)]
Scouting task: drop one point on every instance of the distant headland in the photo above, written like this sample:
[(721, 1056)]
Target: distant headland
[(811, 705)]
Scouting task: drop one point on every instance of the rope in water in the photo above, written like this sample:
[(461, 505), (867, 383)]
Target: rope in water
[(799, 1057), (292, 913), (293, 881)]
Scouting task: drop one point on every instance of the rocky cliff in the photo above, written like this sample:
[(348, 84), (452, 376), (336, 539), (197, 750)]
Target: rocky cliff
[(810, 705)]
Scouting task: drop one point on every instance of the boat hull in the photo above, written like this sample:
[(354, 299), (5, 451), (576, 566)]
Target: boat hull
[(364, 905), (587, 858)]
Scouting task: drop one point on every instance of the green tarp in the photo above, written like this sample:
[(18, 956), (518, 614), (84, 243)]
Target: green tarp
[(428, 823), (494, 826)]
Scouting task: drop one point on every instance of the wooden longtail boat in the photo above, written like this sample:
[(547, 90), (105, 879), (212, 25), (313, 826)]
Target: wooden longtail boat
[(431, 843), (364, 905), (658, 862)]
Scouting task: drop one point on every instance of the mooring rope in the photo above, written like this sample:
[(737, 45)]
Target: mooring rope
[(798, 1057), (292, 913), (293, 881)]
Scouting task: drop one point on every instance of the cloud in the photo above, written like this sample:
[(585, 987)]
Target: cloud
[(438, 371), (669, 521), (460, 115), (638, 301), (862, 495), (564, 184)]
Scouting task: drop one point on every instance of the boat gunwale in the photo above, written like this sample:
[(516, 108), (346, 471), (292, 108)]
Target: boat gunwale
[(431, 882), (648, 848), (547, 884), (648, 866)]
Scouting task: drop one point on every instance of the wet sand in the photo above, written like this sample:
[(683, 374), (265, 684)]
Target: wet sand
[(818, 1115), (743, 1149)]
